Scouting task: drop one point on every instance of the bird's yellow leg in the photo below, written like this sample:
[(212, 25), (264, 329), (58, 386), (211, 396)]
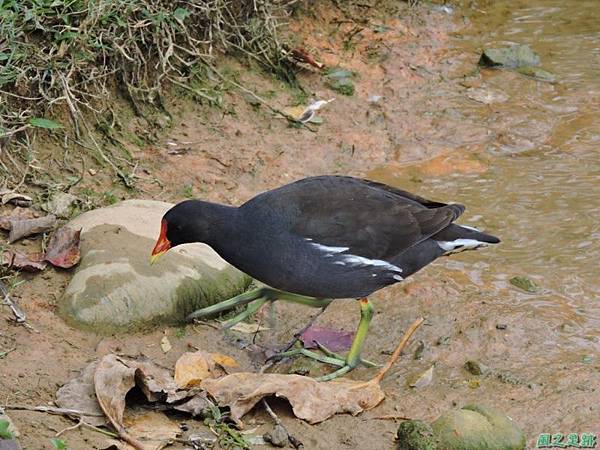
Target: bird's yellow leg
[(353, 358)]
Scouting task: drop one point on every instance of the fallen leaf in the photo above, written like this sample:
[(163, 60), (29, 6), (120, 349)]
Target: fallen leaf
[(156, 382), (8, 196), (27, 263), (192, 368), (61, 204), (20, 228), (165, 345), (113, 379), (153, 428), (334, 340), (195, 405), (423, 379), (248, 328), (311, 400), (79, 394), (17, 213), (63, 248), (303, 56)]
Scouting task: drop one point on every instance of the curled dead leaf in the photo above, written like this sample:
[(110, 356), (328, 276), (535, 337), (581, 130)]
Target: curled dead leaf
[(423, 379), (20, 228), (155, 429), (192, 368), (17, 213), (27, 263), (334, 340), (79, 394), (8, 196), (63, 248), (311, 400)]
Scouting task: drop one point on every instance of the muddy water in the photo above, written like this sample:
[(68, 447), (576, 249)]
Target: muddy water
[(536, 185)]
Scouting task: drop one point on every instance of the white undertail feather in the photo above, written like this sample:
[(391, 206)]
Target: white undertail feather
[(459, 245)]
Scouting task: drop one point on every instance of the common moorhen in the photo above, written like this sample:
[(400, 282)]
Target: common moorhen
[(322, 238)]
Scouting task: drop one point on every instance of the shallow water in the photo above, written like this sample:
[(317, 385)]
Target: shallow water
[(541, 190)]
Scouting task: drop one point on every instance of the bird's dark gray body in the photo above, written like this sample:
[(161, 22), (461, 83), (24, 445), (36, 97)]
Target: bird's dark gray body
[(332, 237)]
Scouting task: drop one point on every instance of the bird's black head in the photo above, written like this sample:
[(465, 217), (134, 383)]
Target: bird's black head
[(186, 222)]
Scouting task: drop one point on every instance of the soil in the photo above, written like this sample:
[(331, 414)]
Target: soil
[(415, 131)]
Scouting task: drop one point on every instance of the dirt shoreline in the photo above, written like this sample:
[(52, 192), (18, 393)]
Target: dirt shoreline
[(231, 157)]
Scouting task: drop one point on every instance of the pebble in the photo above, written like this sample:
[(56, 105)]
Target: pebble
[(278, 436)]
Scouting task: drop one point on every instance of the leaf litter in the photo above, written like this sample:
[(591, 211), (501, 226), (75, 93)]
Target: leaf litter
[(200, 380), (64, 248), (334, 340)]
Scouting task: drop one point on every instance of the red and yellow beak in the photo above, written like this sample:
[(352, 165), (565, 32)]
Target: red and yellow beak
[(162, 244)]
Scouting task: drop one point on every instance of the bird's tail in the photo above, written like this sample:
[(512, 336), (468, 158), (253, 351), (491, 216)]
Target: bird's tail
[(456, 238)]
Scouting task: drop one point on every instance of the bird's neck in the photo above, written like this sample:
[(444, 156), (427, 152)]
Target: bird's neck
[(223, 220)]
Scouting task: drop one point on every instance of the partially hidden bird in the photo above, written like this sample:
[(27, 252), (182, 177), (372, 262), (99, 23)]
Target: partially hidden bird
[(322, 238)]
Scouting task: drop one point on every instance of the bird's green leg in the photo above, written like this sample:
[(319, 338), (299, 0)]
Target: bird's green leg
[(353, 358), (255, 298), (332, 354)]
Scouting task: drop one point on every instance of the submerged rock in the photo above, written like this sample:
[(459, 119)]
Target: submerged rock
[(537, 73), (478, 427), (114, 287), (510, 57), (524, 283)]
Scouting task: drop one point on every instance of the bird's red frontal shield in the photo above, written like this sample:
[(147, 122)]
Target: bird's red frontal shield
[(162, 244)]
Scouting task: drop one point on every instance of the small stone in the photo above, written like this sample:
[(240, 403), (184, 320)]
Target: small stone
[(416, 435), (476, 368), (509, 378), (278, 436), (419, 351), (501, 326)]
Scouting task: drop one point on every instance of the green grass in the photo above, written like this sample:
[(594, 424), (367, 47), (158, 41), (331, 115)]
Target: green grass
[(63, 61)]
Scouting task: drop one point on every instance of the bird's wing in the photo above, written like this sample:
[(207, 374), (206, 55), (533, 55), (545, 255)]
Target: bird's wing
[(370, 219)]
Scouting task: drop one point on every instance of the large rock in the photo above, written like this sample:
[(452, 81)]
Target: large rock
[(114, 287), (478, 427)]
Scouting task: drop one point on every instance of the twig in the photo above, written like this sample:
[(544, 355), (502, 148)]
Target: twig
[(416, 324), (294, 441), (20, 316), (90, 426), (388, 417), (53, 410)]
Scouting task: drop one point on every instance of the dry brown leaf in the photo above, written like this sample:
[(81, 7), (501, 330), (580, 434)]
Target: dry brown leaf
[(311, 400), (27, 263), (113, 379), (196, 405), (79, 394), (423, 379), (17, 213), (8, 196), (20, 228), (153, 428), (63, 248), (192, 368), (165, 345)]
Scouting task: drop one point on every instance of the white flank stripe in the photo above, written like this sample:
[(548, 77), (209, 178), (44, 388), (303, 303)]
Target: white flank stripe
[(362, 261), (469, 228), (330, 250), (353, 260), (461, 244)]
